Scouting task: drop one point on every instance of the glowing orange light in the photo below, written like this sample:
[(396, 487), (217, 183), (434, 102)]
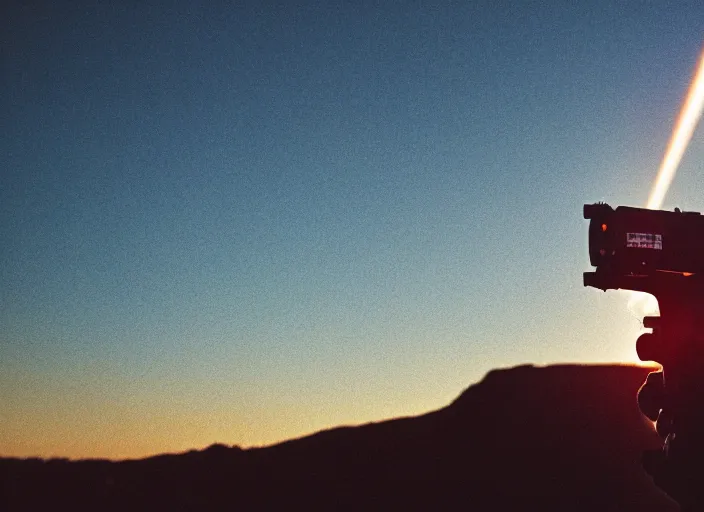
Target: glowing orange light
[(687, 274), (682, 134), (603, 227)]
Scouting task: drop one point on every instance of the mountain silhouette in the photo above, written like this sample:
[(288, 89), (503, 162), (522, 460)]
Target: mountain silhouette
[(562, 437)]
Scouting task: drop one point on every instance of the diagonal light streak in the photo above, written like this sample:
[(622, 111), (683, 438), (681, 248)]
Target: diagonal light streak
[(684, 129), (639, 303)]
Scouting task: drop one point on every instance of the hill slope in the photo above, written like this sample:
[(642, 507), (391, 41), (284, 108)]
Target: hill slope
[(559, 438)]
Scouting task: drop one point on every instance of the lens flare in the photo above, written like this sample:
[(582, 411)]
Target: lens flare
[(644, 304), (684, 129)]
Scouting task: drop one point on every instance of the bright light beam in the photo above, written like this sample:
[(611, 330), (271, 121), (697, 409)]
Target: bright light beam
[(684, 129), (642, 304)]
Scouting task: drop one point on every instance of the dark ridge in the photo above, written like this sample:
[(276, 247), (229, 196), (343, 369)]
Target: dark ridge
[(562, 437)]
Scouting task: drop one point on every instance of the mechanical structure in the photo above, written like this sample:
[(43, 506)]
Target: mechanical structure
[(662, 253)]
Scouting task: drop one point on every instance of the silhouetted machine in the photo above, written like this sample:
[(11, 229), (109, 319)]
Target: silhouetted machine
[(662, 253)]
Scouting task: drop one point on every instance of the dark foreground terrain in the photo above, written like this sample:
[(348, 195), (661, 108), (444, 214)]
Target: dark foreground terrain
[(557, 438)]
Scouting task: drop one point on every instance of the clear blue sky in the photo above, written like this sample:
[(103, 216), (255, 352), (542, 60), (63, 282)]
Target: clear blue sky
[(247, 223)]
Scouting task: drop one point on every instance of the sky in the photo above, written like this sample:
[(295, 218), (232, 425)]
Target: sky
[(244, 222)]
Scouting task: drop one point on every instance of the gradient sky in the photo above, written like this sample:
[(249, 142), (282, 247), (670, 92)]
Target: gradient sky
[(246, 222)]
